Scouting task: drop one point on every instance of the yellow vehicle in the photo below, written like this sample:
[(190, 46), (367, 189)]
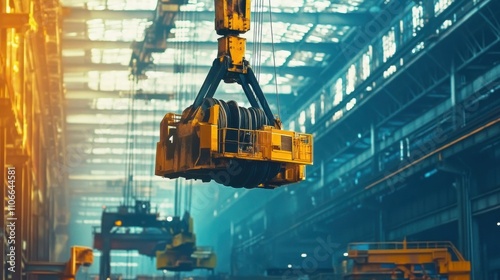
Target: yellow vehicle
[(407, 260)]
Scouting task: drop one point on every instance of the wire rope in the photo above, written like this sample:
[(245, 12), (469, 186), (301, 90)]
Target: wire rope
[(274, 58), (129, 147)]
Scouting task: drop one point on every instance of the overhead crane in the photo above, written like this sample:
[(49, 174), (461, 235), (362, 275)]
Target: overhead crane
[(221, 141), (172, 241), (155, 37)]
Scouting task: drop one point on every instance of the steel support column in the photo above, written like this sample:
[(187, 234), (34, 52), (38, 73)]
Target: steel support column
[(105, 261), (478, 255), (462, 184), (3, 150), (381, 226), (453, 94)]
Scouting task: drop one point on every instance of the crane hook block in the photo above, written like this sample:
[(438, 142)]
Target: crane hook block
[(232, 145), (232, 16)]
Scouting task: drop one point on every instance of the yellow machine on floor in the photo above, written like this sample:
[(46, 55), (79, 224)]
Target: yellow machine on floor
[(79, 256), (221, 141), (407, 260), (181, 254)]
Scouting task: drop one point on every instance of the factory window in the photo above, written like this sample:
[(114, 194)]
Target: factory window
[(322, 104), (441, 5), (116, 30), (129, 264), (291, 126), (89, 213), (337, 98), (366, 63), (100, 198), (417, 13), (389, 44), (121, 56), (420, 46), (88, 222), (391, 70), (350, 104), (312, 111), (302, 118), (131, 5), (337, 115), (447, 23), (351, 79)]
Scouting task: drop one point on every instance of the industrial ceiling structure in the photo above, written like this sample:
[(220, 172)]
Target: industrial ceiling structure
[(373, 81), (97, 35), (289, 44), (400, 100)]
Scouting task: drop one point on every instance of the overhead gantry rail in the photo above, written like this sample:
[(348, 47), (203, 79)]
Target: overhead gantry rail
[(155, 37)]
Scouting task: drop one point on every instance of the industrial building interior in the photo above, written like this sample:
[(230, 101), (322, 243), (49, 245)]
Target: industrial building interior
[(364, 144)]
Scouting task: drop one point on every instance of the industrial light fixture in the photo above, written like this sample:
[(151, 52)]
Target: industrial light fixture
[(346, 254), (169, 218), (498, 224), (304, 255), (289, 266)]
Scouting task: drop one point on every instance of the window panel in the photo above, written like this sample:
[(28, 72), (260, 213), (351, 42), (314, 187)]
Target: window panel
[(389, 44)]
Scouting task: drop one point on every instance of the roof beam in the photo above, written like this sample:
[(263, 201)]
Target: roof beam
[(170, 68), (325, 47), (93, 94), (339, 19)]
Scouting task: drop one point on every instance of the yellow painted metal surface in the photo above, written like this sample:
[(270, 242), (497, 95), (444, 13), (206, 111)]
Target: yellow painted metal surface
[(234, 47), (79, 256), (206, 261), (412, 260), (208, 137), (174, 260), (182, 240), (232, 16), (8, 20)]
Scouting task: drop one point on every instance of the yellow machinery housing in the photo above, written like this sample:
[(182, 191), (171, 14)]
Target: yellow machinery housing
[(238, 157), (234, 146), (407, 260)]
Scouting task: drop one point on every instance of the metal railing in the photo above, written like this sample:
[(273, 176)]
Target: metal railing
[(258, 143), (403, 245)]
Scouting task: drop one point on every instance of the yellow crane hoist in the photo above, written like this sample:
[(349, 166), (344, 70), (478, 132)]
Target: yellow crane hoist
[(221, 141)]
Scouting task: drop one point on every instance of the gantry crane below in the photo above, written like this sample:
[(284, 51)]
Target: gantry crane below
[(172, 241)]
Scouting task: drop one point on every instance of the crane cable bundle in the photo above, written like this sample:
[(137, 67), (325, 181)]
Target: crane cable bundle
[(258, 23)]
